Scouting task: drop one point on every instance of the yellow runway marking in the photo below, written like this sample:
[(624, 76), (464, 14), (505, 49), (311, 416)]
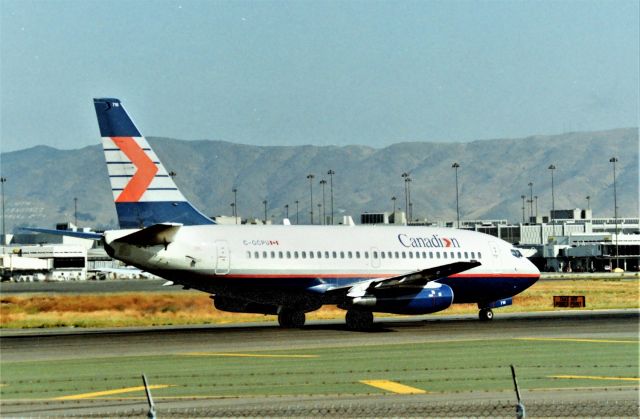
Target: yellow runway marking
[(246, 355), (393, 387), (110, 392), (591, 377), (580, 340)]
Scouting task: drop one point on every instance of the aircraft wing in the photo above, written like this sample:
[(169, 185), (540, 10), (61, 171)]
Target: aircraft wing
[(411, 280), (421, 278)]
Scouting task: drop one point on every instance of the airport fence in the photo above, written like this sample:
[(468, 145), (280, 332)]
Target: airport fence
[(485, 409)]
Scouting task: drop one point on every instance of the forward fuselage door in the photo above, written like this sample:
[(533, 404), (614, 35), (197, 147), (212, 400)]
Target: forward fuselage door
[(222, 262)]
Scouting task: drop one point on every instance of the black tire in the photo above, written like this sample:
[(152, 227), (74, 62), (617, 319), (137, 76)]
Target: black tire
[(359, 320), (291, 318), (486, 314)]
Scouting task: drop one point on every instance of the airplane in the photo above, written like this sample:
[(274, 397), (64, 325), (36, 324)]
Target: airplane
[(290, 270)]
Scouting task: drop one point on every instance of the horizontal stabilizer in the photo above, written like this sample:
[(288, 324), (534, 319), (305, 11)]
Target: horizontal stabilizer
[(151, 236), (69, 233)]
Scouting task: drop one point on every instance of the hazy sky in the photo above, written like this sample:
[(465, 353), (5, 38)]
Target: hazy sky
[(318, 72)]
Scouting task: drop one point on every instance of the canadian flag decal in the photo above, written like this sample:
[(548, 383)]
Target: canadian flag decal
[(145, 169)]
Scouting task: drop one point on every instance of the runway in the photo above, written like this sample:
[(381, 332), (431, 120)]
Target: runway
[(55, 345)]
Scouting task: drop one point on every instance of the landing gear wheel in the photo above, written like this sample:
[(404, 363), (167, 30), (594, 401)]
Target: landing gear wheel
[(359, 320), (486, 314), (291, 318)]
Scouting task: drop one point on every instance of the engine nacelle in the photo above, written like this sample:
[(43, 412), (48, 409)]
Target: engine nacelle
[(235, 305), (433, 297)]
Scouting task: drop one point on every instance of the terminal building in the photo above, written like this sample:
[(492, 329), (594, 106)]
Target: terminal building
[(566, 241)]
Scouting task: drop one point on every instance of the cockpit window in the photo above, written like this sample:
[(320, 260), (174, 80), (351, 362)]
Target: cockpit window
[(516, 253)]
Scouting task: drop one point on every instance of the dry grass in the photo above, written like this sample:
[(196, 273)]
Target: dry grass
[(181, 307)]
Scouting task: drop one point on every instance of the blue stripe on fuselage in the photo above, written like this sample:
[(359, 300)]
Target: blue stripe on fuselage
[(145, 214)]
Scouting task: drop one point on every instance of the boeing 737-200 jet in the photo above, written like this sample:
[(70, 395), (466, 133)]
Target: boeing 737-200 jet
[(290, 270)]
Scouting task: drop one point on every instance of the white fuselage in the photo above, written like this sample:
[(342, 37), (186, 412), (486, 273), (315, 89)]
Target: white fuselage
[(333, 254)]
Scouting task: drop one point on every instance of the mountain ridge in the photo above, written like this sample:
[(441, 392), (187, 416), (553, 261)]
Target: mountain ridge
[(493, 174)]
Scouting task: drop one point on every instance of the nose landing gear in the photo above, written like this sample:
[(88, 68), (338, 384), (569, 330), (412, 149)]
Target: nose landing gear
[(485, 314)]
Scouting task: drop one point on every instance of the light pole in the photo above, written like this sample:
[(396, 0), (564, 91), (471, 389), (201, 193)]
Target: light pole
[(75, 211), (393, 198), (286, 210), (588, 202), (297, 213), (324, 211), (536, 214), (523, 197), (456, 166), (233, 209), (265, 211), (235, 204), (553, 196), (614, 160), (408, 180), (530, 184), (331, 173), (319, 212), (310, 177), (4, 233), (405, 176)]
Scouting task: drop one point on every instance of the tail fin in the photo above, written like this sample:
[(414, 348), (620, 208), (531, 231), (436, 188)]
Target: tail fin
[(143, 191)]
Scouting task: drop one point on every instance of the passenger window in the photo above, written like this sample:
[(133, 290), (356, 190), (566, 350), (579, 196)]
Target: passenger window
[(273, 255), (453, 255), (404, 255), (264, 255), (366, 255), (280, 254), (375, 255), (479, 255), (248, 254), (326, 255), (288, 255), (341, 255), (473, 255), (335, 255), (466, 255), (304, 254), (319, 254), (256, 255), (382, 254), (444, 255), (295, 254), (459, 255), (430, 255), (397, 255), (349, 255), (357, 255), (311, 255), (390, 255)]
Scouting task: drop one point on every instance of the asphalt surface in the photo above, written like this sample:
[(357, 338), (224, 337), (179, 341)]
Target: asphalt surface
[(69, 343), (59, 344)]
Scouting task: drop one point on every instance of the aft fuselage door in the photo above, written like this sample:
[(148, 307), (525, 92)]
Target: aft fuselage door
[(222, 262)]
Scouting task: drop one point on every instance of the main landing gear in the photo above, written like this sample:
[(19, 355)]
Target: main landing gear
[(359, 320), (291, 319), (485, 314)]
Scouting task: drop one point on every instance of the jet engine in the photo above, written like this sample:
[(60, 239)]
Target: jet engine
[(424, 300)]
